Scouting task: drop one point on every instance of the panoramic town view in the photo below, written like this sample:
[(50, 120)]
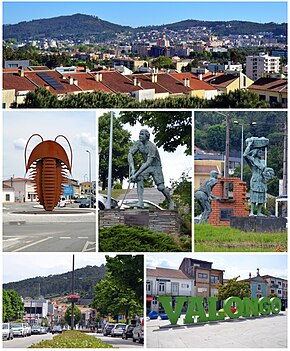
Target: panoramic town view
[(144, 174)]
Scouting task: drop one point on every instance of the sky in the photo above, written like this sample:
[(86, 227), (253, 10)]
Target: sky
[(180, 161), (142, 13), (79, 127), (234, 264), (17, 266)]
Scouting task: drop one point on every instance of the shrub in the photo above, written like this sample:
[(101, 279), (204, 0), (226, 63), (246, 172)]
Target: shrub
[(72, 339)]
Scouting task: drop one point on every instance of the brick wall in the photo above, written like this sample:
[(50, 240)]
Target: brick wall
[(237, 203), (161, 221)]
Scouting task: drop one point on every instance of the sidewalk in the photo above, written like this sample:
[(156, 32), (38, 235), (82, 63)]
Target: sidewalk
[(260, 332)]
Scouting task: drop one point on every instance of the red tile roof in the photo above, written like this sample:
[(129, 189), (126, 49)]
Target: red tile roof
[(86, 81), (167, 273), (194, 82), (173, 85), (270, 84), (118, 82), (146, 83), (14, 81), (221, 81)]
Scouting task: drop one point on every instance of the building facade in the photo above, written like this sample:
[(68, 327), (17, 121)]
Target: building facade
[(257, 66)]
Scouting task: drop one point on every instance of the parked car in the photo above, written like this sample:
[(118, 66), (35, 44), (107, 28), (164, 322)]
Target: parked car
[(7, 332), (138, 331), (131, 203), (36, 329), (128, 331), (85, 203), (28, 329), (56, 329), (19, 329), (118, 329), (107, 328), (102, 199)]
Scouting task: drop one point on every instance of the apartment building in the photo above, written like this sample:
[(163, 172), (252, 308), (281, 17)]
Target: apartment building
[(278, 286), (257, 66)]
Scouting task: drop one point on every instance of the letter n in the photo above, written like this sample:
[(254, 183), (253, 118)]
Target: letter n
[(251, 307)]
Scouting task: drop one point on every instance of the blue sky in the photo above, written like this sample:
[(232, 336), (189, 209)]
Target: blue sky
[(233, 264), (135, 13)]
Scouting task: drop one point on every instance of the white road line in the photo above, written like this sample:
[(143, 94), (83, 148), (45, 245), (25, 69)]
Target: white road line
[(34, 243), (85, 248), (83, 237), (65, 237)]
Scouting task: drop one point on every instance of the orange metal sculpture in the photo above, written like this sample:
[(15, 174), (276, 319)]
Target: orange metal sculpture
[(49, 166)]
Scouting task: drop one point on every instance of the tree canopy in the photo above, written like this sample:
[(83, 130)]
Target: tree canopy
[(234, 288), (77, 315), (12, 305)]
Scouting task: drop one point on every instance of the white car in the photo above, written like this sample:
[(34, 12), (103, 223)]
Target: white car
[(19, 329), (118, 329), (7, 332), (138, 331)]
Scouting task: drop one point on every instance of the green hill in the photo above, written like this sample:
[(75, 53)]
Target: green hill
[(60, 284)]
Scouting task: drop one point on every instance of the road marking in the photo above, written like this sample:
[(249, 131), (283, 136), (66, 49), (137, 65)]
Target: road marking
[(86, 246), (83, 237), (65, 237), (34, 243)]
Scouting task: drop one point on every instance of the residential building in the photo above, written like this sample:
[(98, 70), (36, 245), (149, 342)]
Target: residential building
[(272, 90), (166, 281), (205, 278), (35, 309), (202, 169), (278, 286), (85, 188), (222, 67), (8, 193), (16, 63), (256, 66), (24, 190)]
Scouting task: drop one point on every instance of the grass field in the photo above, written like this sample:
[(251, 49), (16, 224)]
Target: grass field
[(211, 238)]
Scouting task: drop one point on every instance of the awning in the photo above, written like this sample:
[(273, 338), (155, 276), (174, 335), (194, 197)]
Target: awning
[(148, 298)]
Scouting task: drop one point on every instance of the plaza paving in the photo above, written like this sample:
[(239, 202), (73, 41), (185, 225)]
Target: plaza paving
[(260, 332)]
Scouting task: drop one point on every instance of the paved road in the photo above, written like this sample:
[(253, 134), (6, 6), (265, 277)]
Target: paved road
[(26, 342), (26, 228), (262, 332), (118, 341)]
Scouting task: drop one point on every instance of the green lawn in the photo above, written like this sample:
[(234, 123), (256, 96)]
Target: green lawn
[(211, 238), (72, 339)]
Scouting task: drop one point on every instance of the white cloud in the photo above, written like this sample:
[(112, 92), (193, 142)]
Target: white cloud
[(19, 144), (87, 139)]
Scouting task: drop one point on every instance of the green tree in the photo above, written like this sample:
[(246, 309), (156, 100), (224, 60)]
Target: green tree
[(234, 288), (13, 307), (121, 144), (162, 62), (77, 315), (171, 128), (7, 310)]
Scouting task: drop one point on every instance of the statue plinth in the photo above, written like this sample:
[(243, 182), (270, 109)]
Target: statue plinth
[(259, 224), (166, 221)]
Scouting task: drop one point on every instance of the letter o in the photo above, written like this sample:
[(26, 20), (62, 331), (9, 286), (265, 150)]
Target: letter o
[(275, 305), (264, 305), (239, 304)]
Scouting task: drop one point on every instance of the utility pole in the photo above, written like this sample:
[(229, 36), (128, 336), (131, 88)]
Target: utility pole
[(73, 291), (109, 193), (227, 154)]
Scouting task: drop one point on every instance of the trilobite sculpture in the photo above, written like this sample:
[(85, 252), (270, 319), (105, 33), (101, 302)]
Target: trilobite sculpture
[(49, 165)]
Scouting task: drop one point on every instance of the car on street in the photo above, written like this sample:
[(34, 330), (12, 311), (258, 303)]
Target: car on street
[(107, 328), (102, 199), (138, 331), (87, 203), (38, 329), (56, 329), (128, 331), (7, 332), (131, 203), (28, 329), (19, 329), (118, 329)]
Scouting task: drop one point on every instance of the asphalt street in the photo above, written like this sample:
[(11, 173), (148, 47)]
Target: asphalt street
[(19, 342), (27, 228), (261, 332), (118, 341)]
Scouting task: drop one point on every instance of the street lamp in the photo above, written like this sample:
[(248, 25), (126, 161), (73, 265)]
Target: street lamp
[(242, 145), (109, 193), (90, 176)]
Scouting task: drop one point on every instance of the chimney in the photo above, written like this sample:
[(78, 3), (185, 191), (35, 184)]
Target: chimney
[(71, 80), (135, 82), (186, 82), (199, 76), (258, 272), (46, 86), (100, 77), (250, 275), (153, 78), (21, 72), (76, 82), (139, 84)]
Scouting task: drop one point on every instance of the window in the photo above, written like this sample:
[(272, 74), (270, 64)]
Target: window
[(148, 286), (259, 287), (279, 292), (272, 291), (7, 197), (214, 279), (161, 287), (262, 97), (202, 290), (175, 288), (202, 275)]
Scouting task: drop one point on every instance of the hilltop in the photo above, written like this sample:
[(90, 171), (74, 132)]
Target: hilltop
[(80, 27), (60, 284)]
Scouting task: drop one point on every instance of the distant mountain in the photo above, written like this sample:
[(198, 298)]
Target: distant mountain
[(77, 26), (225, 27), (80, 27), (60, 284)]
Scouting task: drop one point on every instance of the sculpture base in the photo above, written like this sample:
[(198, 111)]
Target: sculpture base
[(259, 224), (161, 221)]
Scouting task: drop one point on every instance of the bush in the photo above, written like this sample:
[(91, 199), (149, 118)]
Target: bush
[(135, 239), (72, 339)]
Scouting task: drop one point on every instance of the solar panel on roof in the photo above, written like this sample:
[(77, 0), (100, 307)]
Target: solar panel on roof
[(51, 81)]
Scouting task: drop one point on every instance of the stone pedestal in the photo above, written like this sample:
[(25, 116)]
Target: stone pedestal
[(259, 224), (161, 221)]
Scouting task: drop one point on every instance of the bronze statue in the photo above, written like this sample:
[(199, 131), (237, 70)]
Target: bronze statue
[(253, 154), (150, 167), (204, 196)]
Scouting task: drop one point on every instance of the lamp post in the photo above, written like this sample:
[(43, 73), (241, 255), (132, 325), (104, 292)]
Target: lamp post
[(227, 154), (73, 297), (109, 193), (242, 145), (90, 176)]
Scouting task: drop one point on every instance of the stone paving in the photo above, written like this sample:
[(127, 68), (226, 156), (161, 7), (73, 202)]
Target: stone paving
[(259, 332)]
